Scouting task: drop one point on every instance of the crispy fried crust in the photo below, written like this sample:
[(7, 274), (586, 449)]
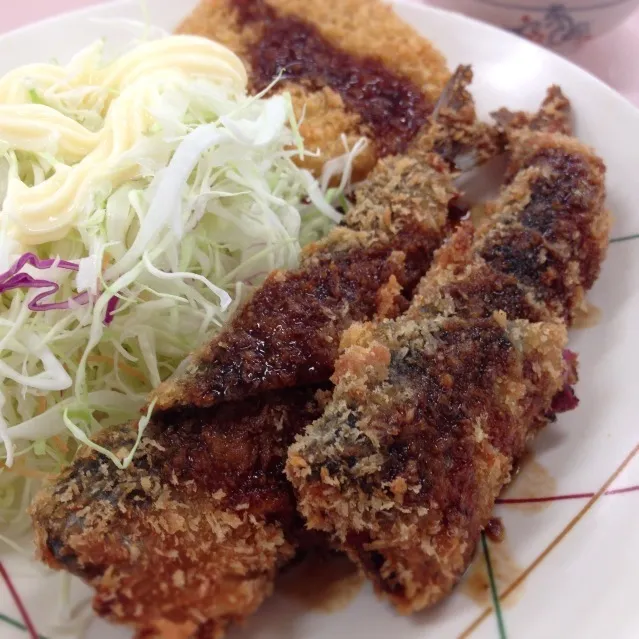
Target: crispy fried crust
[(542, 246), (427, 416), (194, 531), (288, 333), (314, 41)]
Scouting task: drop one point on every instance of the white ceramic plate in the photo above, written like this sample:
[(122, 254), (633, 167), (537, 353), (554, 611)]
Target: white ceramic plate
[(570, 563)]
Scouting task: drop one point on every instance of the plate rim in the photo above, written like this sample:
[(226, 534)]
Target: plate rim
[(52, 23)]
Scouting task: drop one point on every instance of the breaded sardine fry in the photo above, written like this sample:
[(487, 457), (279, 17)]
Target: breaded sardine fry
[(189, 538), (429, 415), (405, 464), (546, 236), (288, 333)]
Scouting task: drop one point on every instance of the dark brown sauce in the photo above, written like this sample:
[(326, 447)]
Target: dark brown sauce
[(322, 583), (565, 206), (522, 253), (531, 481), (587, 317), (495, 530), (247, 442), (476, 584), (392, 106), (457, 211)]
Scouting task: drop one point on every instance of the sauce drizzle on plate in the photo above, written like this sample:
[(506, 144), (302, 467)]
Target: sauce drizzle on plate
[(322, 583)]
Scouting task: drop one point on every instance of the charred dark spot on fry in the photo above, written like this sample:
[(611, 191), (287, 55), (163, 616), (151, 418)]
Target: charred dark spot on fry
[(524, 254), (560, 203)]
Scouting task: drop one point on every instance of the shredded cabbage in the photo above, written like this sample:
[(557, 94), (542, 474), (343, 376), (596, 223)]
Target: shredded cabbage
[(154, 266)]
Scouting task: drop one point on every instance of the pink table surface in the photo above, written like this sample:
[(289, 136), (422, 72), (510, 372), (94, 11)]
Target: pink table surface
[(611, 57)]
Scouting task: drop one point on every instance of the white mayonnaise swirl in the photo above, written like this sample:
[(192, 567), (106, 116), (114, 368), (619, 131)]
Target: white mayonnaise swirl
[(85, 117)]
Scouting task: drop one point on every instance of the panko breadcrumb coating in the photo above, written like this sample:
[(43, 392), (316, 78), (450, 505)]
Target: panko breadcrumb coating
[(322, 46), (541, 246), (190, 537), (288, 333), (429, 415), (404, 466)]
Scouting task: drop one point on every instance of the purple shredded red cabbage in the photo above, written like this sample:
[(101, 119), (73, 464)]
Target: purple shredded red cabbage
[(566, 399), (110, 310), (14, 278), (33, 260)]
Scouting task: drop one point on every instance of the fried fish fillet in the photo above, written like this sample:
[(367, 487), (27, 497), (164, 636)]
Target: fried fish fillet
[(353, 68), (288, 333), (541, 247), (404, 466), (190, 536), (431, 410)]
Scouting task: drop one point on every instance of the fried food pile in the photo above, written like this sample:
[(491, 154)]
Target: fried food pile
[(206, 491), (395, 389), (430, 411)]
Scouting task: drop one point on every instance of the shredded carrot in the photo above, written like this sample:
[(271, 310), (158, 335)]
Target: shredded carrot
[(125, 368), (60, 444), (42, 404), (19, 469)]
